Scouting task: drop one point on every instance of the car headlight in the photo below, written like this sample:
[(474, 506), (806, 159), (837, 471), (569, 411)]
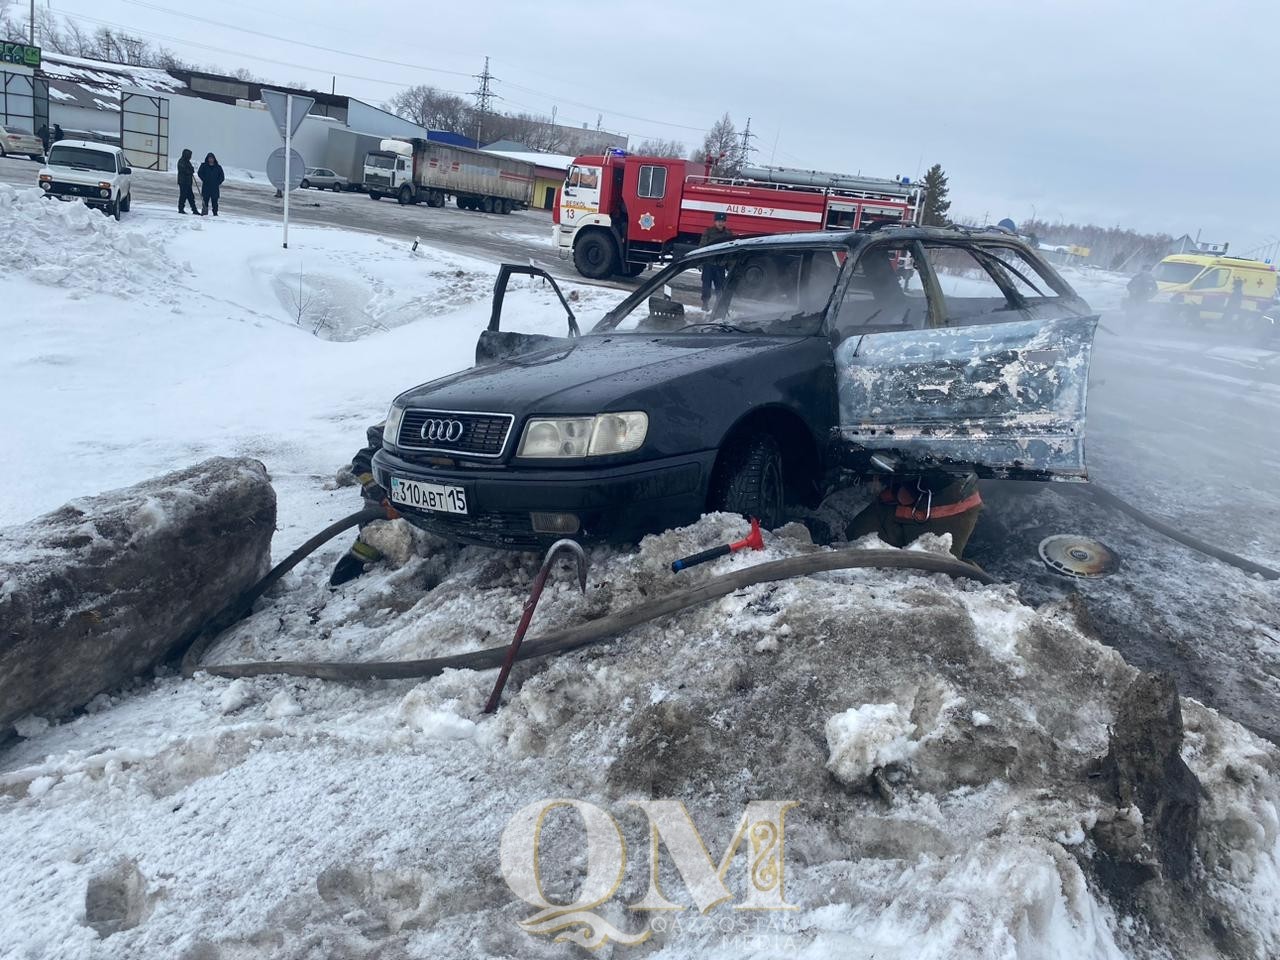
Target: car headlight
[(104, 193), (391, 431), (584, 436), (46, 185)]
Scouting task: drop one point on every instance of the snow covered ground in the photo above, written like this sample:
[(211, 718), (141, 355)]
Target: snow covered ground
[(938, 736)]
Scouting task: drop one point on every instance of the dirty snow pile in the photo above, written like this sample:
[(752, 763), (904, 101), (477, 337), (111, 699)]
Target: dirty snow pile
[(938, 738)]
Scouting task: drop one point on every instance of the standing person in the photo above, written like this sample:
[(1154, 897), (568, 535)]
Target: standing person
[(57, 133), (43, 134), (1142, 287), (1231, 312), (211, 177), (186, 183), (713, 273)]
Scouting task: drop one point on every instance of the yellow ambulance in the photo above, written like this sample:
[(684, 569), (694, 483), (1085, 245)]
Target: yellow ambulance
[(1196, 287)]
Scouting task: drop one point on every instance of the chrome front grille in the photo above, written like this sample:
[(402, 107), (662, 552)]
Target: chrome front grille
[(464, 433)]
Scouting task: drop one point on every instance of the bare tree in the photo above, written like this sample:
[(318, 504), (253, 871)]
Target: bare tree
[(661, 148), (721, 147), (432, 108)]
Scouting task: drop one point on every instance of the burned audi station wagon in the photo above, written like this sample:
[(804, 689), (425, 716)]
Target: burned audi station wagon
[(814, 357)]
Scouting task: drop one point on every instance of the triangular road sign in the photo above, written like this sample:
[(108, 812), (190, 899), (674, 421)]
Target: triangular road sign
[(277, 103)]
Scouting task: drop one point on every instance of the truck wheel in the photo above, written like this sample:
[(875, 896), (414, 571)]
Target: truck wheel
[(405, 196), (748, 480), (506, 207), (595, 255), (374, 196)]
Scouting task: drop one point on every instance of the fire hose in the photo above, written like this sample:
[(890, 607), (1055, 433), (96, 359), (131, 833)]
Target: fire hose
[(572, 638)]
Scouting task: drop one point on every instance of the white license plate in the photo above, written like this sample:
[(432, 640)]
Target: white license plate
[(429, 496)]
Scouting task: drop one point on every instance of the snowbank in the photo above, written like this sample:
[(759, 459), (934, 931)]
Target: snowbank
[(295, 816)]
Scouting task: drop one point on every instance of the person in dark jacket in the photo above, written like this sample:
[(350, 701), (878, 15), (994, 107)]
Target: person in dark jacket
[(186, 183), (713, 273), (57, 133), (211, 177), (43, 134), (356, 560)]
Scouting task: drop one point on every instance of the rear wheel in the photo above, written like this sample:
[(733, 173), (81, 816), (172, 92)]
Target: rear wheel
[(487, 204), (748, 480), (595, 255), (506, 207), (305, 183)]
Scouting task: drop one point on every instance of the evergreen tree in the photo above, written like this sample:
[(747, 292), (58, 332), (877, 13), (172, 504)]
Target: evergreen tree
[(936, 203)]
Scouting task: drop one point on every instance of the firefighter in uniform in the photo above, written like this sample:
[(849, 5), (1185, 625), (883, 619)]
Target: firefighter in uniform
[(356, 560), (914, 504), (713, 273)]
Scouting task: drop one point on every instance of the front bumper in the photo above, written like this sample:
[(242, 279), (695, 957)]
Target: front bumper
[(75, 191), (614, 504)]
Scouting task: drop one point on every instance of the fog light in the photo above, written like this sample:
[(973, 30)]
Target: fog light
[(46, 185), (554, 522)]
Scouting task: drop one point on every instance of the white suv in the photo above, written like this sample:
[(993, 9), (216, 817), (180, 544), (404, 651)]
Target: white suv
[(96, 173)]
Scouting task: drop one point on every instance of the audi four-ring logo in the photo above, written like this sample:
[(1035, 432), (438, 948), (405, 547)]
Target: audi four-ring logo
[(446, 430)]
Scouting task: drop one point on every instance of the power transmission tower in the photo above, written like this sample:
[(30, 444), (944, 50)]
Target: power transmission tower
[(744, 151), (484, 98)]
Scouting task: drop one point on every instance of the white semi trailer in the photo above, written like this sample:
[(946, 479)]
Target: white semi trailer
[(423, 171)]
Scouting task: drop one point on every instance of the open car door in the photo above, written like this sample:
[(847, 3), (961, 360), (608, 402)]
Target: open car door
[(498, 344), (1006, 398)]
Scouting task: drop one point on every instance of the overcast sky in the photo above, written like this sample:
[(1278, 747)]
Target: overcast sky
[(1157, 115)]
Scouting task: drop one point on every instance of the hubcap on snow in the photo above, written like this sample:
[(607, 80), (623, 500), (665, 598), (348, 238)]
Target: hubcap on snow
[(1075, 556)]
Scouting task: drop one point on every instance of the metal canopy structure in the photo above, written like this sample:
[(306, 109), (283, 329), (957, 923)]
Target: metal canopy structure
[(144, 130)]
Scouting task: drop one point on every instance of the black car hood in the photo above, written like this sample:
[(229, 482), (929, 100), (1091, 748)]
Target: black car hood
[(589, 374)]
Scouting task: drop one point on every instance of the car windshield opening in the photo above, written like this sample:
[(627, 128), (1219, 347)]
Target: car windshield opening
[(80, 157), (381, 162), (1172, 272), (748, 291)]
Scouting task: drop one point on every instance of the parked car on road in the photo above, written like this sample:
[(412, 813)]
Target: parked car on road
[(96, 173), (812, 357), (322, 178), (20, 142)]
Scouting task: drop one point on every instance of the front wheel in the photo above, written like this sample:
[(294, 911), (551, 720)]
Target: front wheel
[(748, 480), (595, 255), (374, 196), (127, 202), (405, 197), (337, 187), (305, 184)]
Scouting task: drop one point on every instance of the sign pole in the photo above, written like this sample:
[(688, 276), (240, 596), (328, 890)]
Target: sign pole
[(288, 149)]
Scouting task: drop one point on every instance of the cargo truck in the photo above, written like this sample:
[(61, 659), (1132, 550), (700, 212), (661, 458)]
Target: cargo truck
[(345, 153), (422, 171)]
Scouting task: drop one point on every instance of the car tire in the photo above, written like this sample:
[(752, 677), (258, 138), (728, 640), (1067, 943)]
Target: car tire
[(595, 255), (305, 183), (2, 151), (749, 480), (337, 187), (127, 202)]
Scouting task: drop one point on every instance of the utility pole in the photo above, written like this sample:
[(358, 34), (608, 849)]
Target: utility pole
[(32, 25), (744, 152), (484, 99)]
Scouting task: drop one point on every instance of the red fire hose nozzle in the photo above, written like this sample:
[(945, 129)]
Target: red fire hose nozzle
[(753, 540)]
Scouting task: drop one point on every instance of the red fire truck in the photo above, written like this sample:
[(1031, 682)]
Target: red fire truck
[(618, 213)]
